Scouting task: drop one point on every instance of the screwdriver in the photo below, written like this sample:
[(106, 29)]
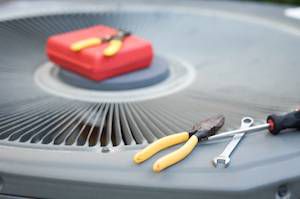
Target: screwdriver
[(274, 123)]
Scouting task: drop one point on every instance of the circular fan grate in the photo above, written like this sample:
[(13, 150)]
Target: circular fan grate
[(217, 47)]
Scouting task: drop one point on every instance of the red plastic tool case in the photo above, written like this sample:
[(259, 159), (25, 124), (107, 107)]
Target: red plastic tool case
[(136, 53)]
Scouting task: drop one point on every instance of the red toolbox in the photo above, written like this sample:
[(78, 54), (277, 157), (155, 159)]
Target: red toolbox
[(135, 53)]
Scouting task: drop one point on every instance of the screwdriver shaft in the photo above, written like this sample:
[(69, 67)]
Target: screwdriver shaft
[(231, 133)]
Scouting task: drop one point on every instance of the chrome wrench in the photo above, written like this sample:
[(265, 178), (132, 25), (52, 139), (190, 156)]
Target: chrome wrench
[(223, 160)]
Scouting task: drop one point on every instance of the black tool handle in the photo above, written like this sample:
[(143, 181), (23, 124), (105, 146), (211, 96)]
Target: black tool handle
[(286, 121)]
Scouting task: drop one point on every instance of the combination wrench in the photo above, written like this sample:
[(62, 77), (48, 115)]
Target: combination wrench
[(223, 160)]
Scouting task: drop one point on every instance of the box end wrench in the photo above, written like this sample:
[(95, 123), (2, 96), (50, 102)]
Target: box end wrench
[(223, 160)]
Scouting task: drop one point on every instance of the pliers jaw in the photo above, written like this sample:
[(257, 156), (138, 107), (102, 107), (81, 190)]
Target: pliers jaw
[(201, 135), (208, 127), (121, 34)]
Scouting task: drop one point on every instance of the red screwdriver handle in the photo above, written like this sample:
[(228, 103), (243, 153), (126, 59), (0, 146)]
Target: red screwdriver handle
[(286, 121)]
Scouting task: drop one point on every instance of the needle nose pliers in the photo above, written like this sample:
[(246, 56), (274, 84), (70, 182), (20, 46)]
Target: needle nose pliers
[(200, 131), (115, 43)]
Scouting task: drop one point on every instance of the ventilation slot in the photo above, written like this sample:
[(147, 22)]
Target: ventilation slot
[(79, 124)]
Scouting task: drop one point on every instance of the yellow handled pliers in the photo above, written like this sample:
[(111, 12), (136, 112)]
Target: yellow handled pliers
[(115, 43), (200, 131)]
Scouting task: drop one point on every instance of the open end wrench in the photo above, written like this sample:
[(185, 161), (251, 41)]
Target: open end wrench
[(223, 160)]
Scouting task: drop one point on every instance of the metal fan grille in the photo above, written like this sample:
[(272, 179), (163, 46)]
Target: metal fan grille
[(31, 117), (48, 121)]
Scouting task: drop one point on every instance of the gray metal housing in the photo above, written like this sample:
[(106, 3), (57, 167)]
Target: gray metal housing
[(237, 74)]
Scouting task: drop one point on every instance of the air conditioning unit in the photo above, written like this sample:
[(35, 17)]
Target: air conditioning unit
[(63, 136)]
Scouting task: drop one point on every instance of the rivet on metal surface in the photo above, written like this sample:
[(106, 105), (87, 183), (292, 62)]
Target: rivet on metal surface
[(283, 192), (105, 150)]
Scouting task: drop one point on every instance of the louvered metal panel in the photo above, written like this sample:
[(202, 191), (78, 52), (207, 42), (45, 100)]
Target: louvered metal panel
[(57, 138)]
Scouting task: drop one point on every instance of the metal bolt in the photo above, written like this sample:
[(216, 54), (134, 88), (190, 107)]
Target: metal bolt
[(105, 150), (283, 192)]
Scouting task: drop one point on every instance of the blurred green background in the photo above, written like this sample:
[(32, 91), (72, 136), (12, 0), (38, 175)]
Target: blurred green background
[(293, 2)]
